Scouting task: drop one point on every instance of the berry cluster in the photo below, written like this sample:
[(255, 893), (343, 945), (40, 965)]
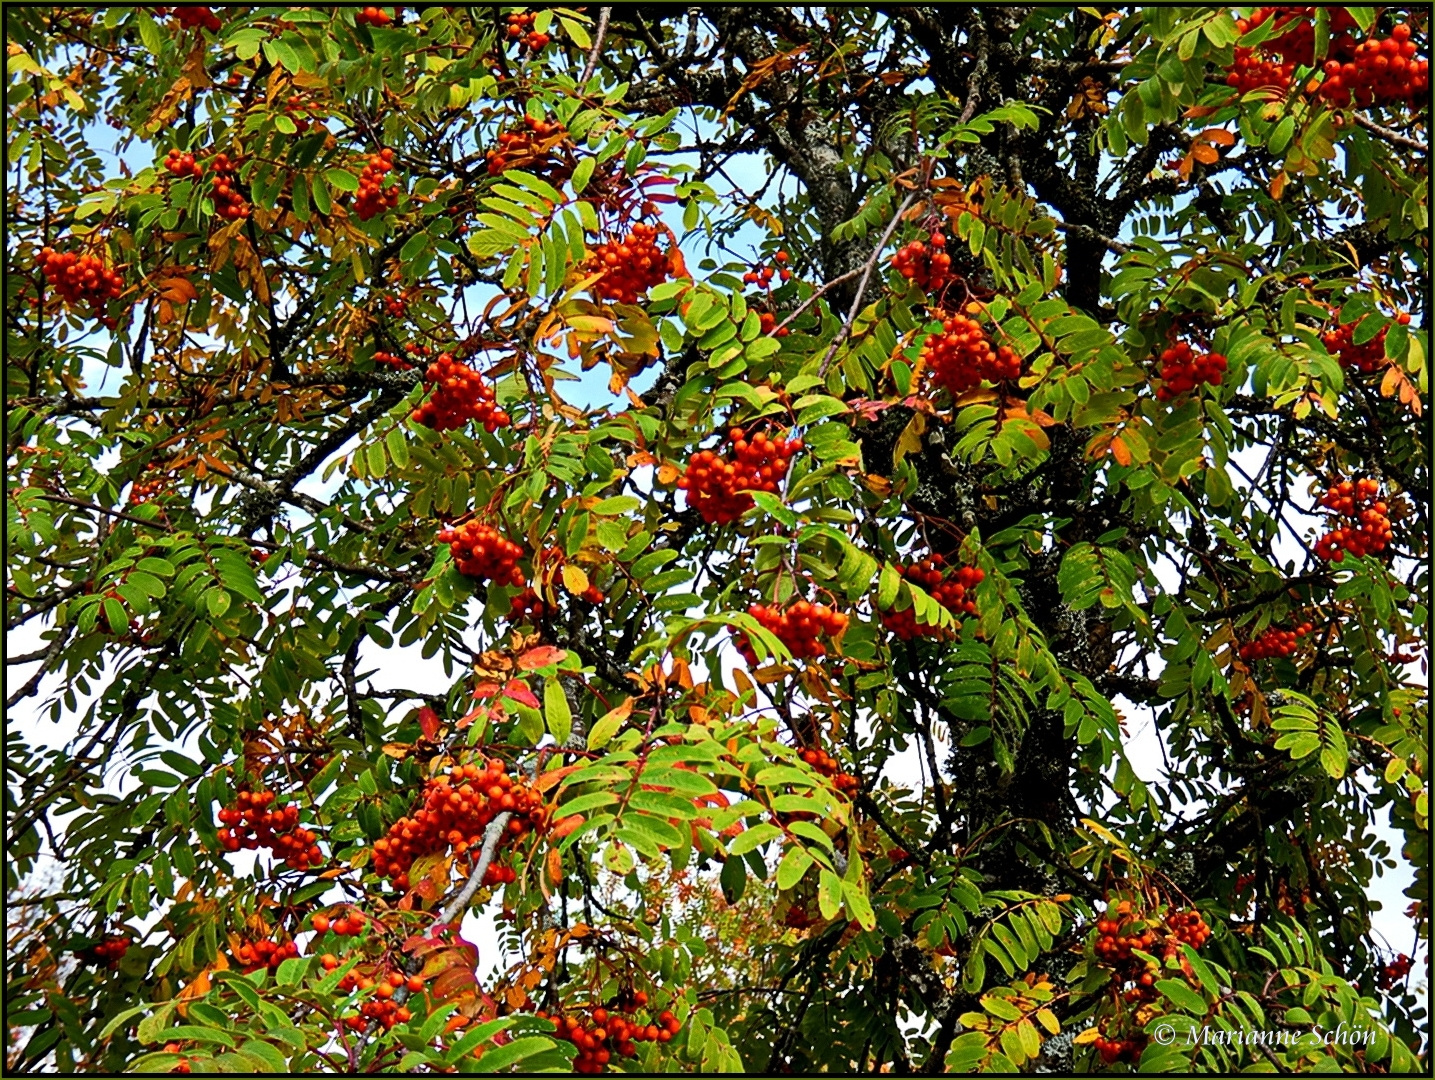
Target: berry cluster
[(527, 607), (142, 491), (1183, 369), (349, 924), (458, 807), (1366, 357), (827, 765), (719, 489), (481, 552), (110, 950), (380, 1007), (1275, 642), (1124, 929), (1367, 531), (799, 628), (1127, 1049), (763, 275), (373, 16), (1393, 972), (80, 278), (520, 29), (302, 111), (1376, 71), (388, 359), (184, 1065), (630, 266), (181, 163), (459, 395), (373, 197), (767, 324), (961, 356), (250, 824), (928, 264), (228, 202), (529, 146), (949, 591), (188, 16), (604, 1032), (251, 956)]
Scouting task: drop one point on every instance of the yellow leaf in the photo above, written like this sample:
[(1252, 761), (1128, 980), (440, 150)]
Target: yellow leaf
[(177, 290), (667, 474), (555, 866), (1120, 451), (910, 440), (574, 579), (1085, 1038), (1278, 184)]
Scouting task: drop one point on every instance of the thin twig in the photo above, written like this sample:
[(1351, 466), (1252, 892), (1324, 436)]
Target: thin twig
[(592, 63), (838, 280), (1390, 135), (862, 285)]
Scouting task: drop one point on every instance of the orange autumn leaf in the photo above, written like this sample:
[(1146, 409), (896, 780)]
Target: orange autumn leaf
[(177, 290)]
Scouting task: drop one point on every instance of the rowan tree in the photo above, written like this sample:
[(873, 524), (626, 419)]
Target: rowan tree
[(798, 440)]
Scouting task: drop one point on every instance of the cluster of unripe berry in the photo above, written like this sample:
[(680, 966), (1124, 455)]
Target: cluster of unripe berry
[(763, 275), (1275, 642), (228, 202), (250, 824), (80, 279), (525, 145), (951, 591), (459, 395), (962, 355), (373, 16), (1366, 357), (374, 197), (1183, 369), (926, 263), (630, 266), (253, 955), (188, 16), (1376, 71), (800, 628), (602, 1033), (720, 489), (520, 29), (827, 765), (479, 551), (458, 807), (1367, 530)]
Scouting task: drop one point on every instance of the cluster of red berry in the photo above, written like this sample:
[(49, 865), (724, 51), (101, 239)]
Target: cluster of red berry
[(961, 356), (181, 163), (763, 275), (827, 765), (529, 146), (1128, 1049), (374, 197), (928, 264), (142, 491), (1366, 357), (1393, 972), (250, 824), (527, 607), (459, 395), (767, 324), (630, 266), (388, 359), (350, 924), (253, 955), (1274, 641), (605, 1032), (799, 628), (80, 279), (1183, 369), (110, 950), (949, 591), (228, 202), (481, 552), (720, 489), (380, 1007), (302, 111), (458, 807), (188, 16), (1370, 72), (520, 29), (1368, 529), (373, 16)]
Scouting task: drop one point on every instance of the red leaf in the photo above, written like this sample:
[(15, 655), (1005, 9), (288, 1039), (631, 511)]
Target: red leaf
[(486, 690), (540, 657), (518, 690), (429, 723)]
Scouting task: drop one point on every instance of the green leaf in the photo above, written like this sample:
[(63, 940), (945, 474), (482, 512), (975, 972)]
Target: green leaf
[(342, 179), (556, 711), (749, 839), (794, 865)]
